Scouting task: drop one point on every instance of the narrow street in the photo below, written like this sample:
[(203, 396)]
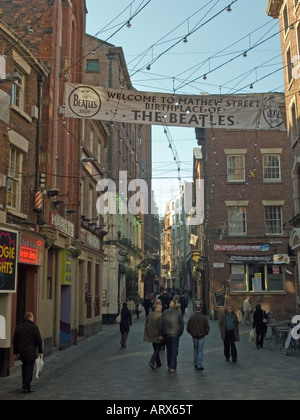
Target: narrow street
[(98, 369)]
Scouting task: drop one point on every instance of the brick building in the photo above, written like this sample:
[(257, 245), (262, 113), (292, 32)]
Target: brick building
[(248, 196), (126, 153), (70, 285), (19, 168), (288, 14)]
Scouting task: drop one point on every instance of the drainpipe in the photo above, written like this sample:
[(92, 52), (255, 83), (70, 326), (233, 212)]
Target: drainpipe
[(40, 79)]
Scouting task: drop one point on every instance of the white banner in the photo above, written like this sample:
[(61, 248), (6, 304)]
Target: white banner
[(237, 112)]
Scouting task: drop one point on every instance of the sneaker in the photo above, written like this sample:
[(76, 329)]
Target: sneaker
[(172, 370)]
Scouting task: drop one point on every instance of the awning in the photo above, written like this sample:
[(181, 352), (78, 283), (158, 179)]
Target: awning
[(295, 239)]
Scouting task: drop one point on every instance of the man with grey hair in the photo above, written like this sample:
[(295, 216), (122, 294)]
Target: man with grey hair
[(151, 335), (171, 328), (27, 341), (198, 327)]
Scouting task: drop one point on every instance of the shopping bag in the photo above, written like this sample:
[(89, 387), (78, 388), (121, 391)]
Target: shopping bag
[(39, 364), (118, 319), (252, 336)]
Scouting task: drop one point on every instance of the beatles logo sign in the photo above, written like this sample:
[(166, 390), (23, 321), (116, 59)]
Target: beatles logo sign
[(8, 261), (84, 102)]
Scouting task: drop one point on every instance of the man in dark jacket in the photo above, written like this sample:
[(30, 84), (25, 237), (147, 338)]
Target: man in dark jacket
[(198, 328), (229, 329), (27, 339), (171, 328)]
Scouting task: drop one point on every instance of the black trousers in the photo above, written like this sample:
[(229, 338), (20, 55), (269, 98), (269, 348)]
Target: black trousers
[(27, 374), (229, 345)]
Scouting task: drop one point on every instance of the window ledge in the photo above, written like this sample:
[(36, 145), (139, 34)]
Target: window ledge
[(17, 213), (21, 113)]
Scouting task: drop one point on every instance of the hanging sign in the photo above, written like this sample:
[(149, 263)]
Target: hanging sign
[(248, 112), (8, 261)]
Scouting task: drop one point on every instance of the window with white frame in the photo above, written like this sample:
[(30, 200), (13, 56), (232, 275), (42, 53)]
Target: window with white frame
[(273, 220), (236, 168), (18, 90), (271, 168), (237, 221), (14, 179)]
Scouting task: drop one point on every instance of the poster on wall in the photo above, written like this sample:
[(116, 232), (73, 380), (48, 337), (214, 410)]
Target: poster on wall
[(8, 261)]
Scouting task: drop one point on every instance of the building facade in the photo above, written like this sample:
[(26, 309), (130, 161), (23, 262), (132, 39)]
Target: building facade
[(21, 244), (71, 156), (248, 196), (288, 14), (127, 162)]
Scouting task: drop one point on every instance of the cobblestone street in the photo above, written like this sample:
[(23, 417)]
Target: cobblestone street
[(98, 369)]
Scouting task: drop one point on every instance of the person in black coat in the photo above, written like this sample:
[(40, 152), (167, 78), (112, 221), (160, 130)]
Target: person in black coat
[(259, 323), (125, 324), (27, 341)]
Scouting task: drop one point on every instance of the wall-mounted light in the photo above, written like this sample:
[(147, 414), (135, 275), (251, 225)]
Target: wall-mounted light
[(53, 192)]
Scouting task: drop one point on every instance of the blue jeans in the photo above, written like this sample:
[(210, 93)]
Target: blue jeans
[(198, 351), (172, 344)]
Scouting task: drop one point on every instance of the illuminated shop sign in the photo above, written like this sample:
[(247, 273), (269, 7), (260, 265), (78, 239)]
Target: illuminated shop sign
[(8, 261), (31, 250)]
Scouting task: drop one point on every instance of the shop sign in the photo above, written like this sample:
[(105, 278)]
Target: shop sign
[(260, 259), (66, 268), (8, 261), (220, 298), (248, 259), (61, 224), (31, 250), (241, 248)]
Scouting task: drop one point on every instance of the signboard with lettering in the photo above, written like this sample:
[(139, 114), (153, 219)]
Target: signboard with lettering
[(243, 112), (31, 250), (61, 224), (220, 298), (66, 268), (8, 261)]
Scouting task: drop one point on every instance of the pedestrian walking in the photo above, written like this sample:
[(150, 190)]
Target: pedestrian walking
[(171, 328), (229, 328), (151, 335), (137, 303), (260, 320), (183, 304), (28, 346), (125, 324), (247, 311), (147, 305), (198, 327)]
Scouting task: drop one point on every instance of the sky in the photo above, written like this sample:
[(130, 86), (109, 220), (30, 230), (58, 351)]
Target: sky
[(225, 53)]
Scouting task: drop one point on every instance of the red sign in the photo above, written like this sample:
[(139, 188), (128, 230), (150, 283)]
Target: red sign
[(31, 250)]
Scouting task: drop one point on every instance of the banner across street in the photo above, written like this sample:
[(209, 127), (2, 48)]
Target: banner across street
[(242, 112)]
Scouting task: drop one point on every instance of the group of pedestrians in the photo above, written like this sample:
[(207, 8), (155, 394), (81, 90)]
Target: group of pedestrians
[(167, 327), (163, 327)]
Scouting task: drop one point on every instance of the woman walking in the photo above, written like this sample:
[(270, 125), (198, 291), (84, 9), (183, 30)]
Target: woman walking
[(125, 324)]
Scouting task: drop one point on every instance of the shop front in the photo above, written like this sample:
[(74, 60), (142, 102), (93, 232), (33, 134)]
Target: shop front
[(21, 256), (262, 276), (8, 282)]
